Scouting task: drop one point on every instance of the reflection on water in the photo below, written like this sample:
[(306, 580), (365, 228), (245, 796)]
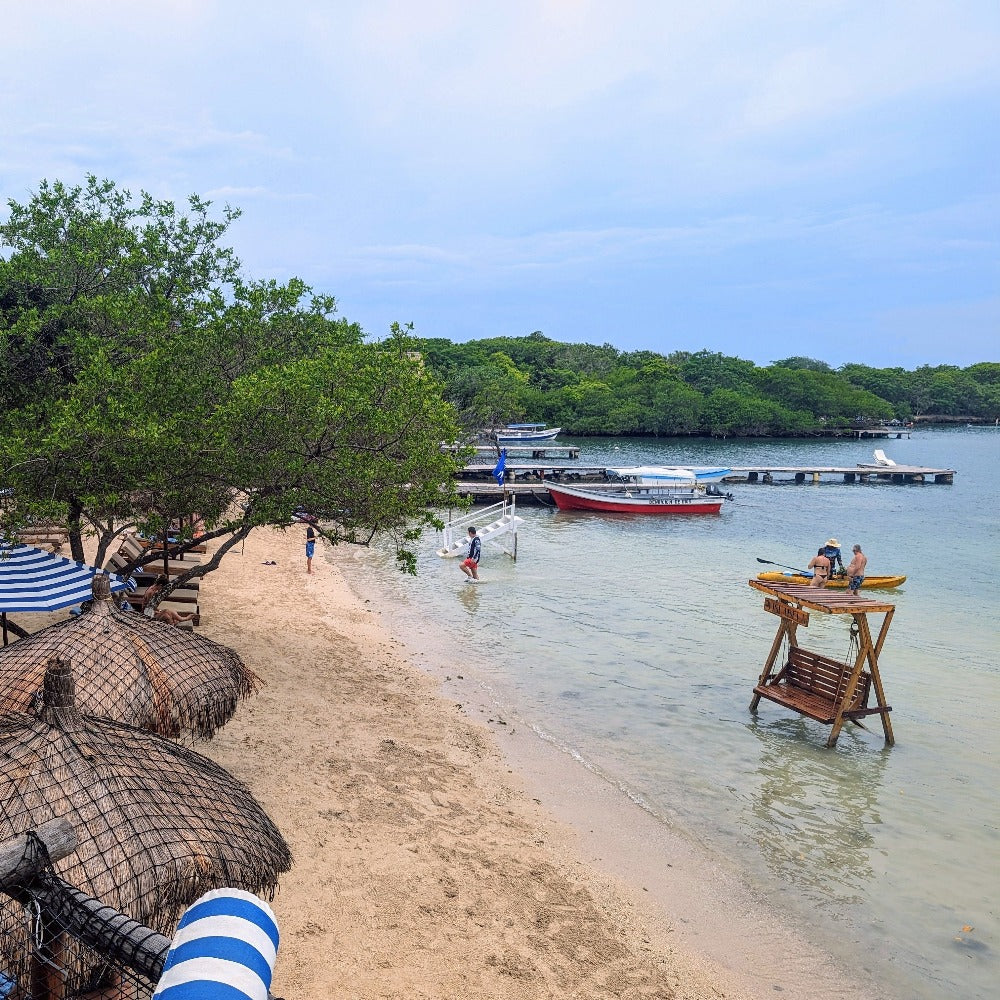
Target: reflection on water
[(469, 597), (813, 810)]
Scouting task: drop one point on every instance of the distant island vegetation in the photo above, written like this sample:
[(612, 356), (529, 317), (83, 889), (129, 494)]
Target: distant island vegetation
[(591, 390)]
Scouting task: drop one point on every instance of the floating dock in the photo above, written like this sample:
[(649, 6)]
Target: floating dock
[(527, 481), (881, 432), (765, 474), (541, 450), (849, 474)]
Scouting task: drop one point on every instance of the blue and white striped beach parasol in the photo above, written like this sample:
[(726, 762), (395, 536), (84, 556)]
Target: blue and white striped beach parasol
[(224, 949), (35, 580)]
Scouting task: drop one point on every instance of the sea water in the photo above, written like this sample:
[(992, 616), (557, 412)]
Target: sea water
[(634, 643)]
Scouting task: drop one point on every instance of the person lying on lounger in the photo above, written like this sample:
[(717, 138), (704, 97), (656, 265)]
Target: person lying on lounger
[(167, 615)]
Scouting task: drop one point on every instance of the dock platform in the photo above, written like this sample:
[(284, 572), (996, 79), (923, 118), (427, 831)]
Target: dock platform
[(766, 474), (898, 432), (527, 481), (849, 474), (540, 450)]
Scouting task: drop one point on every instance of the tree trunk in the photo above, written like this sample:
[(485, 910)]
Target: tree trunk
[(75, 530)]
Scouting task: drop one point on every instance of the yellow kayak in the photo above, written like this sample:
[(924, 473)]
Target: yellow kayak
[(871, 582)]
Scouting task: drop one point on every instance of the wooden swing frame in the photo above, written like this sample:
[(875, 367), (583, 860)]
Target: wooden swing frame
[(815, 685)]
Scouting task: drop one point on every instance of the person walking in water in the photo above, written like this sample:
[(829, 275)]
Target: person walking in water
[(856, 570), (470, 567), (820, 565)]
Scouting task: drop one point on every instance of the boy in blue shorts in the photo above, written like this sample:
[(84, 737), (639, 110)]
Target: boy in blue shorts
[(310, 547)]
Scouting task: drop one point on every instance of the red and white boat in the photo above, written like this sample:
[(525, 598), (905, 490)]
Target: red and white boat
[(633, 499)]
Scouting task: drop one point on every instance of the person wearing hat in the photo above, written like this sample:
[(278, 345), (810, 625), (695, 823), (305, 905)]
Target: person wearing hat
[(832, 552)]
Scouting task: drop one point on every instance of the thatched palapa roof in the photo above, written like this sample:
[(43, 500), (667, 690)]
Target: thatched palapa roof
[(157, 824), (132, 669)]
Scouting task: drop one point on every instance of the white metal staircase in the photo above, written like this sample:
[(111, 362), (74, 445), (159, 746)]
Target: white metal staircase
[(503, 524)]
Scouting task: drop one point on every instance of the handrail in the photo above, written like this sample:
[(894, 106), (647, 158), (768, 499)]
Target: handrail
[(453, 533)]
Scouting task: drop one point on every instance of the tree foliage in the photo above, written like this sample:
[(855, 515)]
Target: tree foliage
[(599, 390), (143, 378)]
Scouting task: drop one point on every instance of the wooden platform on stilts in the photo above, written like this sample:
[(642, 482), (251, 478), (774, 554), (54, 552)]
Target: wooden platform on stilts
[(820, 687)]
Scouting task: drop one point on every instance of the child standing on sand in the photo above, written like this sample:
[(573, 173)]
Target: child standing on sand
[(310, 546), (470, 567)]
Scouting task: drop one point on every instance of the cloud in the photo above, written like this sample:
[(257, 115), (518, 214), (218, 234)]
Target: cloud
[(542, 147)]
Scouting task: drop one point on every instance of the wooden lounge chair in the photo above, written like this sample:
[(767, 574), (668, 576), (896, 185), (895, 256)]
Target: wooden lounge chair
[(182, 595)]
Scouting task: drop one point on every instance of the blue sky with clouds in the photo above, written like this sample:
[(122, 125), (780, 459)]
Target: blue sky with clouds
[(763, 179)]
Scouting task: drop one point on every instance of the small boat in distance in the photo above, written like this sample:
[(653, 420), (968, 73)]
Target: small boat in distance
[(662, 475), (633, 499), (513, 433), (836, 582)]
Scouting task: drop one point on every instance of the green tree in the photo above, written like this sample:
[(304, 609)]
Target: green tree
[(175, 386), (799, 362), (708, 371)]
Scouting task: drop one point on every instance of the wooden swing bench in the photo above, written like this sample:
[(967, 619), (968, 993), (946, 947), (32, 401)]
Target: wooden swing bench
[(815, 685)]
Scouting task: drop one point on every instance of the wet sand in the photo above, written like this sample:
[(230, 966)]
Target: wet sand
[(436, 858)]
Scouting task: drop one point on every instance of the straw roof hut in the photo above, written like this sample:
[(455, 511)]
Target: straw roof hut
[(131, 669), (157, 824)]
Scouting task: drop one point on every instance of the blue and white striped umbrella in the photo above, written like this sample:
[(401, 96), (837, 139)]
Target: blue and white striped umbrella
[(224, 949), (34, 580)]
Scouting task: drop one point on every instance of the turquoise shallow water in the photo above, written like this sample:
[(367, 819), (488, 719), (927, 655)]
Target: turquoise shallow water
[(635, 643)]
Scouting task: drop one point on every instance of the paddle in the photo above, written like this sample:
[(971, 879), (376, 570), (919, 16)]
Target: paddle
[(801, 572)]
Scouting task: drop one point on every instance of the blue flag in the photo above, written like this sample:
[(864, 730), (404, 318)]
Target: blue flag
[(501, 467)]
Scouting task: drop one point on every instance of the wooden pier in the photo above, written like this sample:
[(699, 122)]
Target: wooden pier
[(862, 433), (477, 480), (849, 474), (540, 450)]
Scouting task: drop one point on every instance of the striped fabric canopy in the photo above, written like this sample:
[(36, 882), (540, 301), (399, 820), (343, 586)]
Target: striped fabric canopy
[(34, 580), (224, 949)]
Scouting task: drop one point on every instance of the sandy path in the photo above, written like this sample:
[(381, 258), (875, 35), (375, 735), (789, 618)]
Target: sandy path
[(422, 868)]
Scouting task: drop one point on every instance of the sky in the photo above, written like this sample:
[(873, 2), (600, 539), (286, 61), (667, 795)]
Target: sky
[(765, 179)]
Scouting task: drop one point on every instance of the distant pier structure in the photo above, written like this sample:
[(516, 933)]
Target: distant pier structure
[(539, 450), (851, 474), (897, 431)]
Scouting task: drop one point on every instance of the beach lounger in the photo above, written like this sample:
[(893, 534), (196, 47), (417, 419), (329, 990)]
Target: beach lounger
[(182, 595), (131, 549), (173, 545), (134, 546)]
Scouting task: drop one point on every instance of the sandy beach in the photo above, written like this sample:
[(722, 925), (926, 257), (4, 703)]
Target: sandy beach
[(426, 861)]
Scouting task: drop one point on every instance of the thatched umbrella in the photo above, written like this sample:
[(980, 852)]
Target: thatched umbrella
[(131, 669), (157, 824)]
